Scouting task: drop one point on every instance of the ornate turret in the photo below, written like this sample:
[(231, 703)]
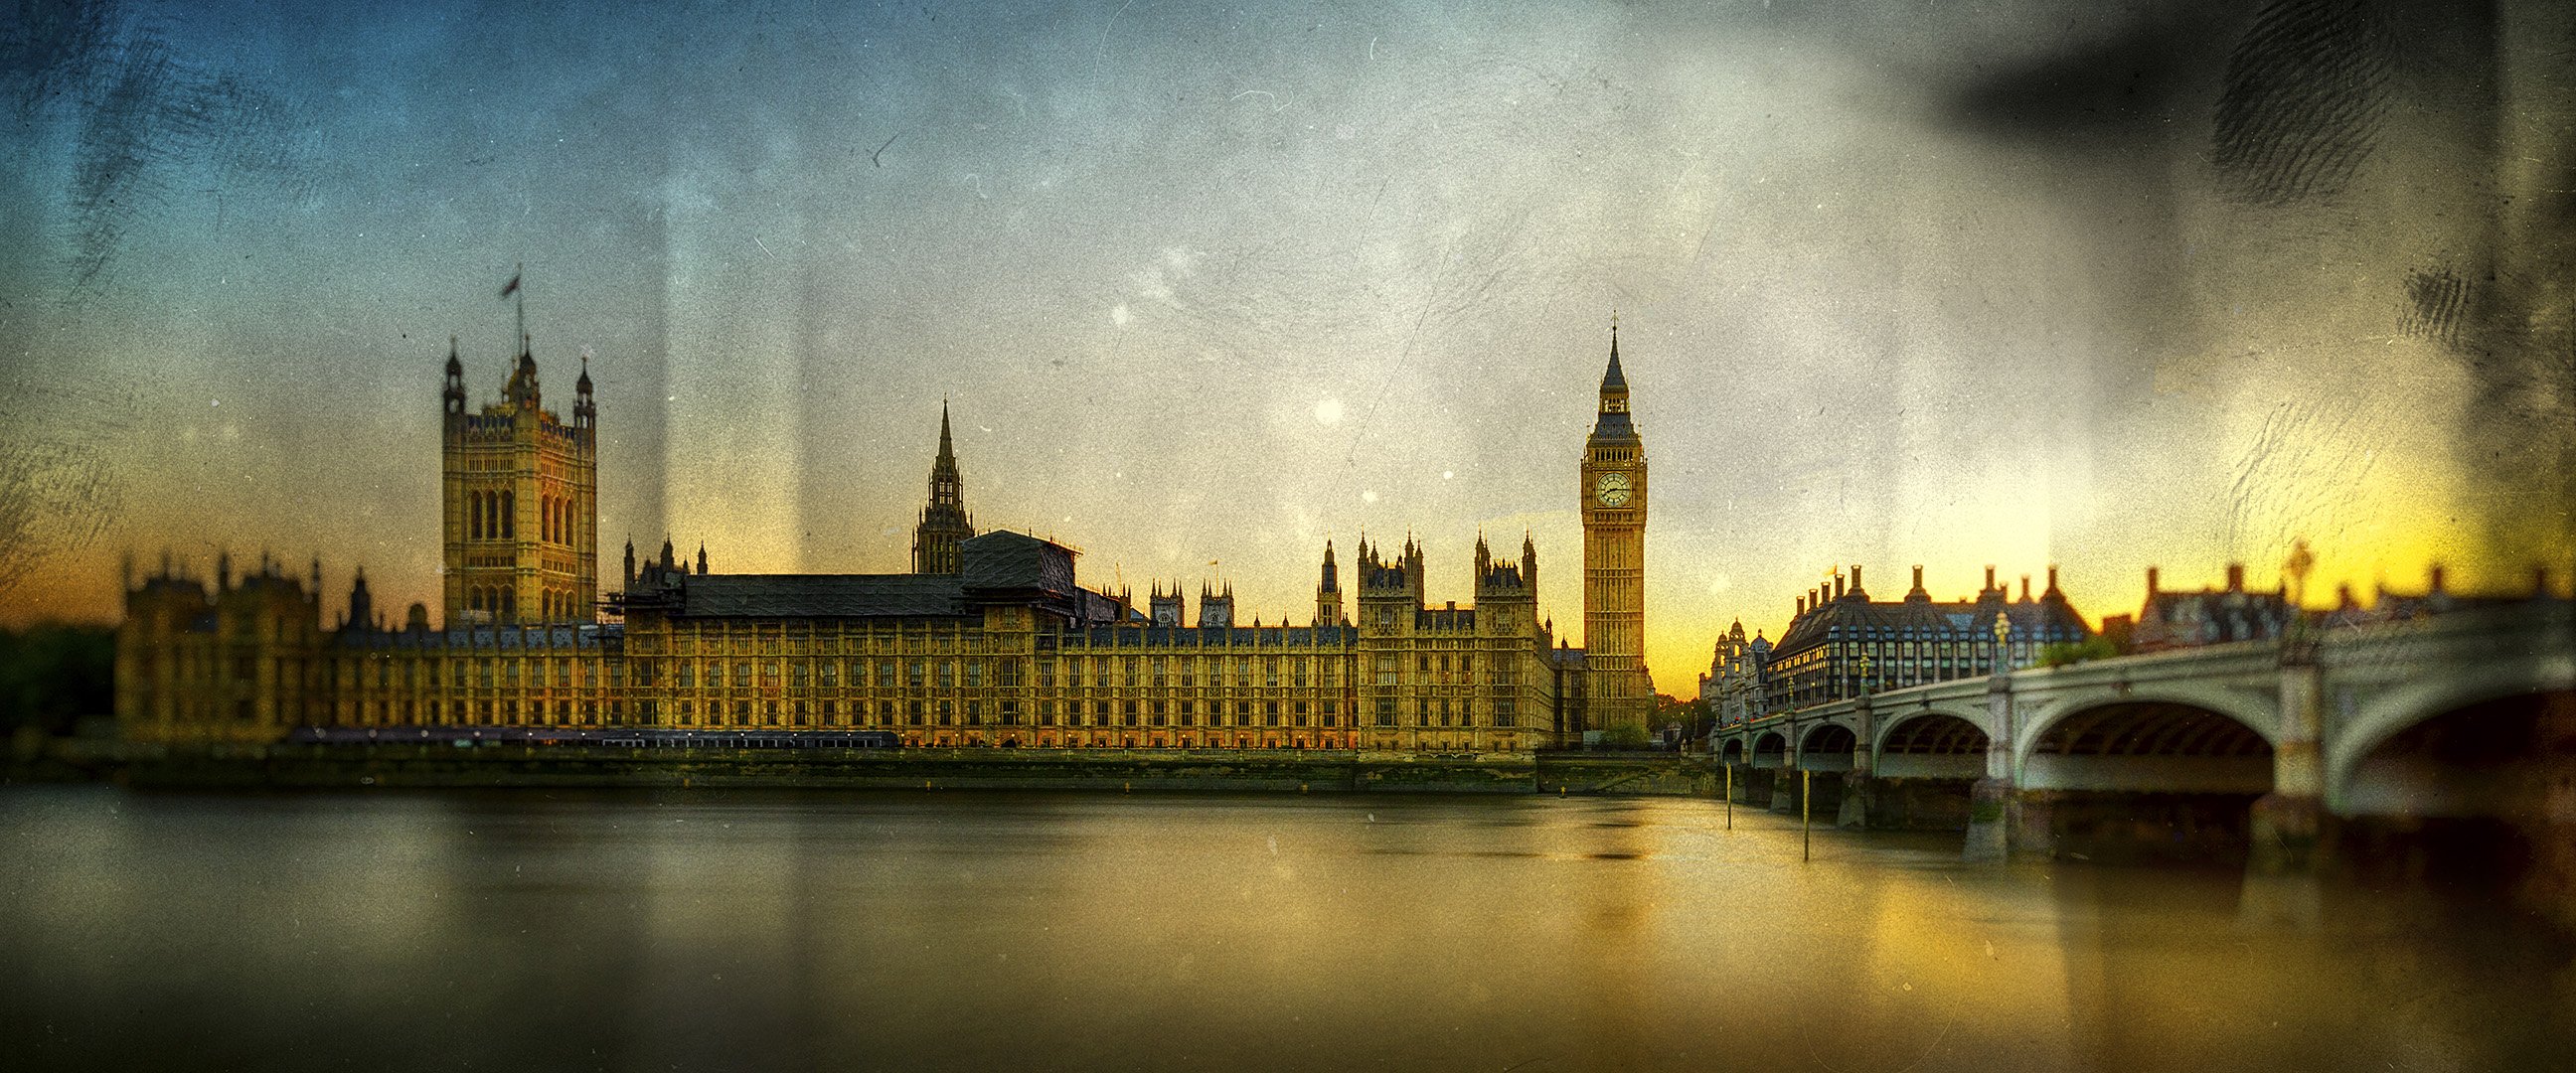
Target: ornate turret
[(585, 413), (1216, 606), (454, 392), (362, 605), (1165, 607), (522, 390), (1328, 592)]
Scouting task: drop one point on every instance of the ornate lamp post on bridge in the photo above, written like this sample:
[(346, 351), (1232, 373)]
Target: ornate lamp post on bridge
[(1857, 788)]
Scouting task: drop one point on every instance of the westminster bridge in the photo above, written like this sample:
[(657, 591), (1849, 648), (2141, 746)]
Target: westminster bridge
[(2466, 715)]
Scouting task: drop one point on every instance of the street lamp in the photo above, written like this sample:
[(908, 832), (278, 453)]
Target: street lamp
[(2003, 629), (2297, 566), (2294, 630)]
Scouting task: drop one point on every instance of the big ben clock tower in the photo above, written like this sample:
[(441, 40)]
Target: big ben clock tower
[(1614, 559)]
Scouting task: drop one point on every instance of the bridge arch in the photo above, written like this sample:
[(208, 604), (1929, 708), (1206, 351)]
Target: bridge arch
[(2393, 711), (1733, 751), (1931, 743), (1827, 746), (2146, 745), (1770, 750), (2258, 713)]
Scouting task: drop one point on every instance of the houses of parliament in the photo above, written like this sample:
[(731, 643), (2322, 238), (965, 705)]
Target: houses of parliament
[(988, 641)]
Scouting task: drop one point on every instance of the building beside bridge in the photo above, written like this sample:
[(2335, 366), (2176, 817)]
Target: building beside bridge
[(988, 641), (1843, 644)]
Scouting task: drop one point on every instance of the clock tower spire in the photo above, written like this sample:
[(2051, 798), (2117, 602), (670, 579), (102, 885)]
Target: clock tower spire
[(1614, 559)]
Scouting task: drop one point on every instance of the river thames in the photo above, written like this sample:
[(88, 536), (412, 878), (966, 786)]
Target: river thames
[(943, 929)]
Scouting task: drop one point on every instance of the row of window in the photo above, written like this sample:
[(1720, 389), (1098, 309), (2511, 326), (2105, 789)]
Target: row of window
[(689, 713), (493, 514)]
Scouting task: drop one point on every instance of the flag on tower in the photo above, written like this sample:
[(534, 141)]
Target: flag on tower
[(511, 287)]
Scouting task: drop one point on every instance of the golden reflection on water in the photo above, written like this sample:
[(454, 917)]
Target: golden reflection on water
[(959, 930)]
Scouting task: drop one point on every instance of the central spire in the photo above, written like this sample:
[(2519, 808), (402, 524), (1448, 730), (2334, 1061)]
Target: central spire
[(937, 543), (1613, 423), (1613, 380)]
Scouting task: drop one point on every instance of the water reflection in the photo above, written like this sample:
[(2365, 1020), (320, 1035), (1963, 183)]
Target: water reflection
[(956, 930)]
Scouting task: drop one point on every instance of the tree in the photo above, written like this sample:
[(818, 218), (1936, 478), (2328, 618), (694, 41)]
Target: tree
[(2063, 653), (52, 675)]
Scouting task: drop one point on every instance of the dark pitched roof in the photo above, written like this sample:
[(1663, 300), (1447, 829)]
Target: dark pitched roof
[(1003, 559), (1968, 619), (1613, 427), (819, 595)]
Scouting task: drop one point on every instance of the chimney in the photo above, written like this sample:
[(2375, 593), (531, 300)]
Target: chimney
[(2151, 581), (1856, 577), (1802, 606), (2052, 579), (1838, 584), (1918, 575), (2437, 580), (1990, 577), (2025, 588), (2540, 583), (2236, 577)]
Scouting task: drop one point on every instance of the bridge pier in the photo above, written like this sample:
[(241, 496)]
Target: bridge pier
[(1858, 792), (2551, 884), (2287, 830), (1992, 803), (1784, 790), (1990, 806), (1859, 797)]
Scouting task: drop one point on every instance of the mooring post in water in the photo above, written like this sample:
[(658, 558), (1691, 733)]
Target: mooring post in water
[(1730, 797), (1806, 815)]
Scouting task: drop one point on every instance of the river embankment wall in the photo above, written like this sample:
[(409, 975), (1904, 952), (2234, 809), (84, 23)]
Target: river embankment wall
[(1281, 771)]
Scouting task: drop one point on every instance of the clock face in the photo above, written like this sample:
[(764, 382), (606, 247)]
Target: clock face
[(1612, 489)]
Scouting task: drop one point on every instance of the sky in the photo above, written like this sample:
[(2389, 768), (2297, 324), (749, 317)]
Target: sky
[(2020, 283)]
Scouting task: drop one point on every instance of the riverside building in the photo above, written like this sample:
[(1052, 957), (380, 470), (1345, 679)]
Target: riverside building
[(989, 641), (1841, 643)]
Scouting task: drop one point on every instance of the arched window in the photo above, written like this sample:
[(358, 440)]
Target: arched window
[(473, 515), (509, 514), (509, 599)]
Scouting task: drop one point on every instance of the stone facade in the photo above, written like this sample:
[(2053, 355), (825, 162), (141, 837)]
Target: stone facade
[(1614, 557), (1735, 687), (987, 642), (521, 503)]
